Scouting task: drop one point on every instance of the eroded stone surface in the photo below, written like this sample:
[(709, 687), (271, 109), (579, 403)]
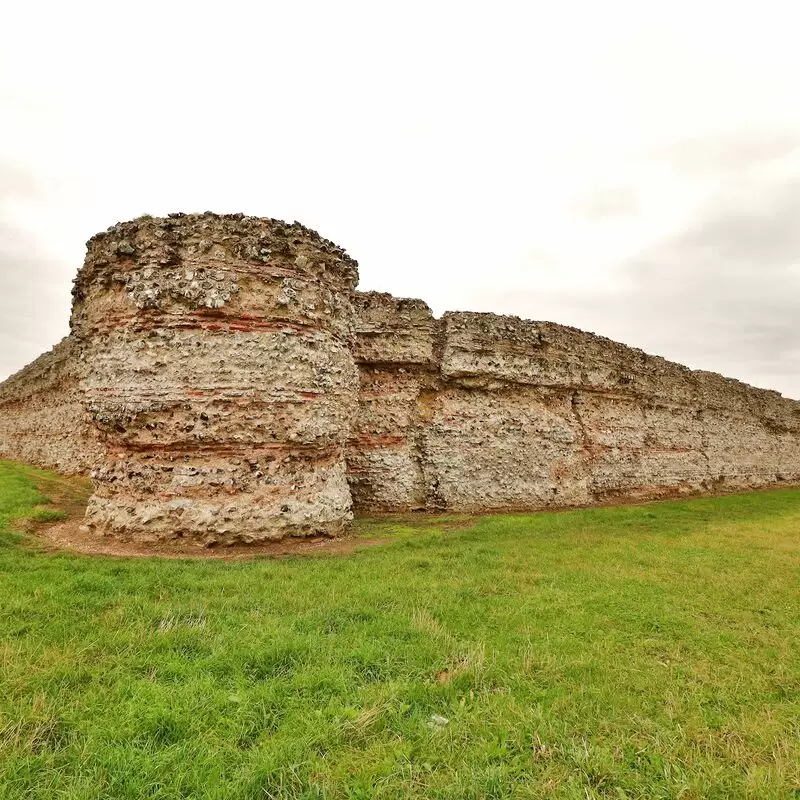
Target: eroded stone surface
[(225, 382), (221, 379), (516, 414), (43, 417)]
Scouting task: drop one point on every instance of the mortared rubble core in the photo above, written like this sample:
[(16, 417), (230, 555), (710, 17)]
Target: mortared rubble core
[(225, 382)]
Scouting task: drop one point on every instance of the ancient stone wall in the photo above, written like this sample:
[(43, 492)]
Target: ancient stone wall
[(395, 349), (214, 374), (225, 382), (221, 377), (43, 418), (504, 413)]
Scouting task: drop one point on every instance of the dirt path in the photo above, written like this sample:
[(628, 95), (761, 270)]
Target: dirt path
[(72, 535), (70, 495)]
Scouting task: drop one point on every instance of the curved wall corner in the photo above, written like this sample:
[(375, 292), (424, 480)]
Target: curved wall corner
[(220, 378)]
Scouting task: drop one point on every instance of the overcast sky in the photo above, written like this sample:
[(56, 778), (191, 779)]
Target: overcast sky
[(630, 168)]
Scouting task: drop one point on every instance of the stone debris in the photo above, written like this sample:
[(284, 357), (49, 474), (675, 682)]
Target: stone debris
[(224, 382)]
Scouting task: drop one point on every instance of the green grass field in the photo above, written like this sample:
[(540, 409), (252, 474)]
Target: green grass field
[(637, 652)]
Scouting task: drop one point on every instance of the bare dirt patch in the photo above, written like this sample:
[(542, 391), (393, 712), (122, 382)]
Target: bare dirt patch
[(72, 535), (70, 495)]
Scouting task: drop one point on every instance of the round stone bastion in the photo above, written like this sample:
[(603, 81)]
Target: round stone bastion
[(219, 376)]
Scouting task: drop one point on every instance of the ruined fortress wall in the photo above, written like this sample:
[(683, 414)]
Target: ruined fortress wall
[(43, 419), (395, 349), (225, 382), (512, 414), (221, 377)]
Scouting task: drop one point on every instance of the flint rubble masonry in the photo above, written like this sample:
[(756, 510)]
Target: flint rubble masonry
[(225, 382)]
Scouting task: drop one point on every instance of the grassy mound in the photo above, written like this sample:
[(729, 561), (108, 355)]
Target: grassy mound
[(637, 652)]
